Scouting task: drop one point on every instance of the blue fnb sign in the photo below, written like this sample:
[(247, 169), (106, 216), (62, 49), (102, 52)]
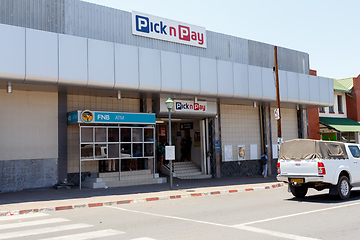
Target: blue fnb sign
[(113, 118)]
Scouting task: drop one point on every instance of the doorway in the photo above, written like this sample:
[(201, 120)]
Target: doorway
[(189, 137)]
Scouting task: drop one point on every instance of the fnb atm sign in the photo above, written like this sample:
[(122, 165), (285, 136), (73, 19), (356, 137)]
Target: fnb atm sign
[(154, 27)]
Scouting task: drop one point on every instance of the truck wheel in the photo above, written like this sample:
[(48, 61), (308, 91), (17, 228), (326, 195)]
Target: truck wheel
[(300, 191), (344, 187)]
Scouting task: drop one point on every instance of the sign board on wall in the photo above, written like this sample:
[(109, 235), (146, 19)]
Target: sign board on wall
[(88, 116), (168, 30), (189, 106)]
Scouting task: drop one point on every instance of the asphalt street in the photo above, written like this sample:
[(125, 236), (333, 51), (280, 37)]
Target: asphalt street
[(266, 214)]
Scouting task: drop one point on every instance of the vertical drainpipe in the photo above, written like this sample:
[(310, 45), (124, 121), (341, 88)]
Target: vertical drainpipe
[(266, 134)]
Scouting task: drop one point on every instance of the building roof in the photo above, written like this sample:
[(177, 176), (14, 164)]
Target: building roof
[(341, 124), (343, 85)]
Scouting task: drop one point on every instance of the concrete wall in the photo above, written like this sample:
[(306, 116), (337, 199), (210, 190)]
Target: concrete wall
[(240, 125), (28, 139), (28, 129)]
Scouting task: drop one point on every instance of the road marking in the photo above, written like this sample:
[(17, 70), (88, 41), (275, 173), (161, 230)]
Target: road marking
[(13, 217), (32, 223), (296, 214), (274, 234), (143, 238), (247, 228), (42, 231), (88, 235), (165, 216)]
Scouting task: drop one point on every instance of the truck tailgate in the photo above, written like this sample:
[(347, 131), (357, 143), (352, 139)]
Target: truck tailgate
[(299, 167)]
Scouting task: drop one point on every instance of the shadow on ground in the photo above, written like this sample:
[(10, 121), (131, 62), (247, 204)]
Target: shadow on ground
[(188, 186)]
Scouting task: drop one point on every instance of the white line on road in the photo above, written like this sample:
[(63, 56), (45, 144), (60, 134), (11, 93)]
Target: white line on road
[(88, 235), (274, 234), (243, 225), (32, 223), (42, 231), (296, 214), (14, 217)]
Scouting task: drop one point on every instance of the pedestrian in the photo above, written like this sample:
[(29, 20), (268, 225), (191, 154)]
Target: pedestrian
[(160, 155), (264, 165)]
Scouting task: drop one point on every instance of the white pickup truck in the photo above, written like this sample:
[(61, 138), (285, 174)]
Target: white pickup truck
[(305, 163)]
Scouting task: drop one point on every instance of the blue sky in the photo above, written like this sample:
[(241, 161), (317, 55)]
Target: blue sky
[(327, 30)]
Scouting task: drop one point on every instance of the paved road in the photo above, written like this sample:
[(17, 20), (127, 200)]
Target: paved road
[(267, 214)]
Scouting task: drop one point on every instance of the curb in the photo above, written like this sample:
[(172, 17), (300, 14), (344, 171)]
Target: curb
[(90, 205)]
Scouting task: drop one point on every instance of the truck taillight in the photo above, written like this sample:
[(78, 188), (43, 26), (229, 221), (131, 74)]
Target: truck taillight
[(278, 168), (321, 168)]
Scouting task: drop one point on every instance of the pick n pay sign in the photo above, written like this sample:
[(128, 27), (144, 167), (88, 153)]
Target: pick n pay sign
[(164, 29)]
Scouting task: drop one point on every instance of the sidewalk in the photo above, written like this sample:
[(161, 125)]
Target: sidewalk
[(27, 201)]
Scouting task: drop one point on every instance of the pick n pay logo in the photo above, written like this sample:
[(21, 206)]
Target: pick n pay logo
[(168, 30)]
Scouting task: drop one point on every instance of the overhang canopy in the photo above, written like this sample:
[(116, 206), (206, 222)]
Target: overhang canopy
[(341, 124)]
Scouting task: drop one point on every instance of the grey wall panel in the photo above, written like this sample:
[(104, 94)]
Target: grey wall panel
[(126, 67), (170, 72), (101, 64), (255, 83), (269, 84), (293, 87), (262, 54), (149, 70), (46, 15), (283, 86), (190, 74), (304, 93), (12, 53), (208, 77), (293, 61), (324, 95), (241, 81), (41, 56), (314, 89), (225, 79), (73, 67)]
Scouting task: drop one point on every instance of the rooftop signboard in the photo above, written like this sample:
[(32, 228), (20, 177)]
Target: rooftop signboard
[(168, 30)]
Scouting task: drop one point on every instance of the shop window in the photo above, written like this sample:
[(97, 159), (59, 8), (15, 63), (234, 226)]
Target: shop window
[(125, 134), (87, 151), (148, 135), (113, 150), (125, 150), (100, 151), (87, 134), (137, 150), (137, 135), (113, 135), (331, 109), (321, 109), (100, 134)]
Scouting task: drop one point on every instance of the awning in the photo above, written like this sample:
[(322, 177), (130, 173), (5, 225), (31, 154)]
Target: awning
[(341, 124)]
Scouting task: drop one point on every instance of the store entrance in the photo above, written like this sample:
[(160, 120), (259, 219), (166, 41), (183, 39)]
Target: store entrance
[(189, 138)]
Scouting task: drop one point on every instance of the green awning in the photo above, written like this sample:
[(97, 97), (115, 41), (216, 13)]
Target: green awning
[(341, 124)]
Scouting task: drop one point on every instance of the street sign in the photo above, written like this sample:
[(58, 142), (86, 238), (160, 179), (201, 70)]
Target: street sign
[(169, 152)]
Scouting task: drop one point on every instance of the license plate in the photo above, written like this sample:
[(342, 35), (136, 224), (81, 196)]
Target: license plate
[(297, 180)]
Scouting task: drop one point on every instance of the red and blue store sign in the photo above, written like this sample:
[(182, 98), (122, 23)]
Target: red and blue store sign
[(164, 29)]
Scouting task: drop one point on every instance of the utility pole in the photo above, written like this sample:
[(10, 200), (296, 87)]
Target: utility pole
[(278, 114)]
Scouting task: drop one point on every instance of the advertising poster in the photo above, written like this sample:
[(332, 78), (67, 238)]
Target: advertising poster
[(162, 131), (241, 152), (197, 142), (228, 153)]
